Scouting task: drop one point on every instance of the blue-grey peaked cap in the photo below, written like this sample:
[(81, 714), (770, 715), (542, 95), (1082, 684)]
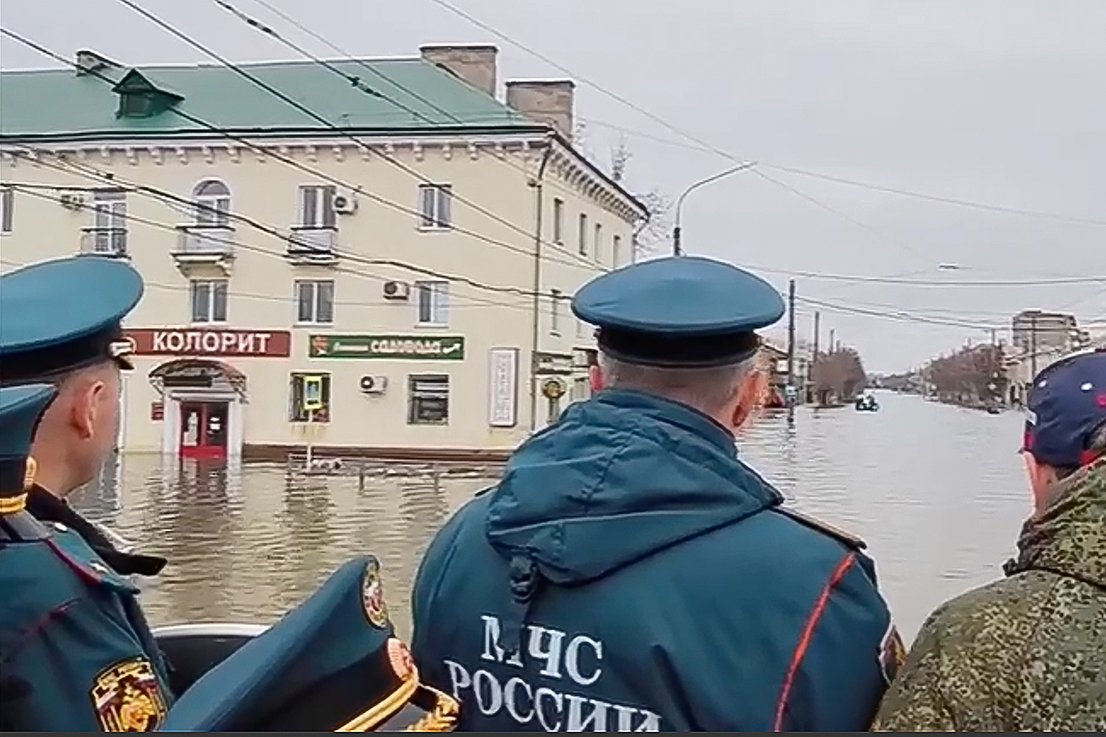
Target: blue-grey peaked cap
[(21, 408), (65, 314), (679, 312)]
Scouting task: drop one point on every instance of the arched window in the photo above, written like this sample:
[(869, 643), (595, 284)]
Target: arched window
[(212, 199)]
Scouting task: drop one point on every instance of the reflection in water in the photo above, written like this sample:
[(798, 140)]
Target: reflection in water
[(936, 491)]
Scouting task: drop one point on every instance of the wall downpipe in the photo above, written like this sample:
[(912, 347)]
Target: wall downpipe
[(538, 184)]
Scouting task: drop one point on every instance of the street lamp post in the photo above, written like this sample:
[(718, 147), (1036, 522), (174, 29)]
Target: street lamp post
[(676, 231)]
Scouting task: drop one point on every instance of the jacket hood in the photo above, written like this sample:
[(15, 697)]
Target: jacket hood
[(1070, 537), (619, 477)]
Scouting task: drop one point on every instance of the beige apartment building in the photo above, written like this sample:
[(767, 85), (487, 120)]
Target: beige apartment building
[(385, 271)]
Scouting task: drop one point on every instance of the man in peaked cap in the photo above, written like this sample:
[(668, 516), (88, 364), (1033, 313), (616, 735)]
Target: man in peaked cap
[(60, 322), (331, 664), (629, 572), (93, 666), (1027, 653), (70, 659)]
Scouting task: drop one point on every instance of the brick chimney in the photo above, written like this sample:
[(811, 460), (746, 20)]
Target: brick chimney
[(545, 101), (473, 63)]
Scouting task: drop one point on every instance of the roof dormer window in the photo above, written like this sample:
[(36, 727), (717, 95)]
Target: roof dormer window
[(140, 98)]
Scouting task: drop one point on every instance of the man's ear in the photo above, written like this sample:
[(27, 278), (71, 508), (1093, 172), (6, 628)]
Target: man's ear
[(595, 378), (750, 396), (85, 406)]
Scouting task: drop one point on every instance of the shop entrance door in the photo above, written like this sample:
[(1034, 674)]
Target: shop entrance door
[(203, 429)]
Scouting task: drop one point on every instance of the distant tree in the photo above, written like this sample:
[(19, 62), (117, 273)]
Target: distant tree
[(838, 374), (974, 373), (655, 235)]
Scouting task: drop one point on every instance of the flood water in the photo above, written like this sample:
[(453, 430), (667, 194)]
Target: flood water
[(938, 493)]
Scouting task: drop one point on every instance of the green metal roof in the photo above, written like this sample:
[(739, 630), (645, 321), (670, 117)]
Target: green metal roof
[(60, 104)]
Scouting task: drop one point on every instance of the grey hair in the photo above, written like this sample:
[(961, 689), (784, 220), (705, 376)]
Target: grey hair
[(705, 389)]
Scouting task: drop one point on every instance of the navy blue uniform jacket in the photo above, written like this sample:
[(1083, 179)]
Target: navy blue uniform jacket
[(630, 573)]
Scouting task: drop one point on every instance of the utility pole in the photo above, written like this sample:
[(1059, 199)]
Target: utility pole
[(833, 332), (817, 331), (791, 334), (812, 371), (1032, 346)]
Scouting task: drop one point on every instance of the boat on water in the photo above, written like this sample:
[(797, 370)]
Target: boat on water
[(867, 402)]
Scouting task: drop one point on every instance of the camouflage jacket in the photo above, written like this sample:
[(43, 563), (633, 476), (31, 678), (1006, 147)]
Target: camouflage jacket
[(1028, 652)]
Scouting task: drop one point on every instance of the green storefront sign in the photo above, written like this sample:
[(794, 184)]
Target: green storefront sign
[(401, 347)]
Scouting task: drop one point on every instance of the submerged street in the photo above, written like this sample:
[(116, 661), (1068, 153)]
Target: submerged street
[(937, 492)]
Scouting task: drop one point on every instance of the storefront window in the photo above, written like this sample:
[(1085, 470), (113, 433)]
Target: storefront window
[(428, 400), (310, 391)]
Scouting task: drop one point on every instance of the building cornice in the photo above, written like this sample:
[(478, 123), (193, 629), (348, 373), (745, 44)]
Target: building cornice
[(573, 169)]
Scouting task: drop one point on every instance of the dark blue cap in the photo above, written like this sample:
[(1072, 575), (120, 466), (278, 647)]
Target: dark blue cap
[(66, 314), (679, 311), (1066, 405), (21, 408), (331, 664)]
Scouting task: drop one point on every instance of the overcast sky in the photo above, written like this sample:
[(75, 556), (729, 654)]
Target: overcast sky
[(1001, 102)]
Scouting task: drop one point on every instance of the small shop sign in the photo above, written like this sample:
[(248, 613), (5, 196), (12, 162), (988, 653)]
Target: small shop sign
[(396, 347), (503, 387)]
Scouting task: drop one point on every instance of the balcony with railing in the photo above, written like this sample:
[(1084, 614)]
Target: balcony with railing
[(313, 245), (204, 244), (111, 242)]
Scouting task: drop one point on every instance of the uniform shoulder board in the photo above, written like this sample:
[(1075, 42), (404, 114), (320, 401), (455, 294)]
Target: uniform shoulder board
[(848, 538)]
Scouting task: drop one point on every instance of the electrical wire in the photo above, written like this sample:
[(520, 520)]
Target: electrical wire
[(357, 188), (275, 92), (706, 146), (357, 84), (90, 172), (238, 244)]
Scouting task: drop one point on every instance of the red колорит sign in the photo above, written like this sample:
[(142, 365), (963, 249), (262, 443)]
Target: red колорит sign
[(199, 342)]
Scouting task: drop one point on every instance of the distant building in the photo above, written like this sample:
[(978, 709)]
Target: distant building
[(1038, 330)]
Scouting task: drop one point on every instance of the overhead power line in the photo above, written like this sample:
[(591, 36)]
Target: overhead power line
[(935, 282), (322, 120), (707, 146), (360, 86), (357, 188), (939, 198), (110, 178)]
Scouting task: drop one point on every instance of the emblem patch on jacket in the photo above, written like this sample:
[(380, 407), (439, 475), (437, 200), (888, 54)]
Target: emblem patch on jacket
[(372, 596), (127, 697), (892, 653)]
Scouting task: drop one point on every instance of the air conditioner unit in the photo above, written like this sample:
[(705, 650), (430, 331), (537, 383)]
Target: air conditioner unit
[(344, 205), (71, 200), (374, 384), (397, 290)]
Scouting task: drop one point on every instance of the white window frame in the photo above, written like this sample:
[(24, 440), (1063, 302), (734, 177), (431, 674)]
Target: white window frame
[(318, 200), (109, 221), (435, 206), (555, 311), (212, 208), (597, 244), (210, 289), (432, 389), (616, 250), (7, 210), (558, 221), (432, 303), (582, 236), (316, 301)]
